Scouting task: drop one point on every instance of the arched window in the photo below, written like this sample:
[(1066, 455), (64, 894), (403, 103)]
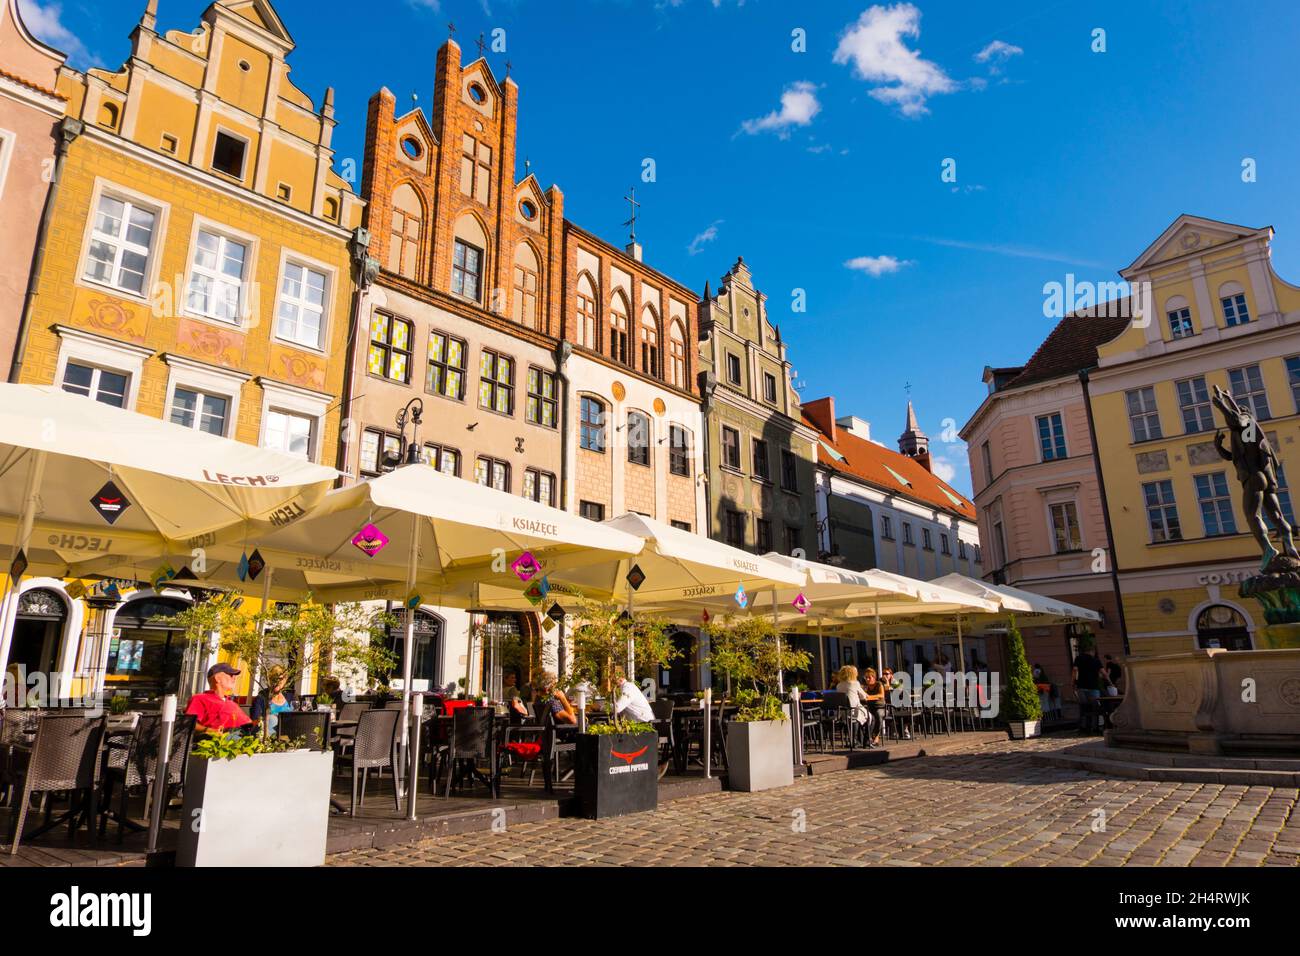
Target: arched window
[(638, 438), (404, 242), (1222, 626), (469, 260), (618, 312), (525, 303), (650, 342), (588, 330), (1179, 314), (1232, 297), (677, 356), (591, 426)]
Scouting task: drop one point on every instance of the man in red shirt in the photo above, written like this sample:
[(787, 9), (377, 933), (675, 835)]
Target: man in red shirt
[(213, 710)]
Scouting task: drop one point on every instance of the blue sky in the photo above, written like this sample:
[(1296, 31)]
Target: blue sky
[(824, 167)]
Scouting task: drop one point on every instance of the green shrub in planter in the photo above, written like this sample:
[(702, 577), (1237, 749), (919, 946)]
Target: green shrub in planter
[(1022, 705)]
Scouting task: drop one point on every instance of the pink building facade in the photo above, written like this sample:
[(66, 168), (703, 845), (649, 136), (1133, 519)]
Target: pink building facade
[(30, 112), (1039, 503)]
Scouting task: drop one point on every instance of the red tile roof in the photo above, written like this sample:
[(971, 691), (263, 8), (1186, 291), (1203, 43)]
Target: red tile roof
[(872, 463), (1072, 346)]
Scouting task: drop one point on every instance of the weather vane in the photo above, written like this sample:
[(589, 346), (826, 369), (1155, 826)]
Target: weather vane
[(631, 201)]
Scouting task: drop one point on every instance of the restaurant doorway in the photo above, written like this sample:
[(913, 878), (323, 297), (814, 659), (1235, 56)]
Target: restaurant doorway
[(426, 665), (145, 654), (1221, 626), (679, 678), (38, 632)]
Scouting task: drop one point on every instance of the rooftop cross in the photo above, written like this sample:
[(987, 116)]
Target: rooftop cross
[(481, 44), (631, 201), (451, 30)]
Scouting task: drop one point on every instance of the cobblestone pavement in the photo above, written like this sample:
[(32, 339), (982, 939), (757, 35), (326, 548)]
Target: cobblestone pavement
[(983, 806)]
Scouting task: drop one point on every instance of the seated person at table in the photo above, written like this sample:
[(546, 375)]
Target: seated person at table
[(630, 699), (875, 700), (273, 700), (848, 684), (561, 709), (511, 696), (214, 712), (332, 687)]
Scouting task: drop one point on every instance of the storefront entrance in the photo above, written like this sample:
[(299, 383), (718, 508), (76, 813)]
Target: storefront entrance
[(144, 654), (1222, 626), (38, 631), (426, 665)]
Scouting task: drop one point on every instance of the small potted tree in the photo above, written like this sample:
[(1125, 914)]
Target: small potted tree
[(264, 800), (760, 749), (1024, 713), (616, 762)]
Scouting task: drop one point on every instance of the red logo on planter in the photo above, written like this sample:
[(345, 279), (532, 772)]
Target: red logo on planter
[(628, 758)]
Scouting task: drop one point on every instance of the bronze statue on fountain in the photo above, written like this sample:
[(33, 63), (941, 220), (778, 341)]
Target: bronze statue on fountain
[(1277, 586)]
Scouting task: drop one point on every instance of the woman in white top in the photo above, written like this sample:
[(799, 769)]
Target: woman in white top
[(848, 675)]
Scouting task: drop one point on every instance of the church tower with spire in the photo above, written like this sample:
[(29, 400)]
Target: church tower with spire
[(914, 443)]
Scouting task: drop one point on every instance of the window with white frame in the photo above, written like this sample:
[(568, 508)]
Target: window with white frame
[(121, 241), (1142, 415), (1194, 402), (1180, 323), (1216, 505), (1051, 436), (289, 432), (1162, 511), (1065, 527), (1234, 309), (1247, 387), (300, 314), (110, 388), (216, 288), (1293, 379), (202, 411)]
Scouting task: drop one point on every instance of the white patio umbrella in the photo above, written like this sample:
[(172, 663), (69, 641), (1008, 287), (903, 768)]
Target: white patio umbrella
[(416, 529), (80, 477), (1036, 607)]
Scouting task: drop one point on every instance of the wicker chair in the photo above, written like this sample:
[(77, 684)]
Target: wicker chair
[(64, 756), (17, 726), (374, 747), (134, 763), (314, 725)]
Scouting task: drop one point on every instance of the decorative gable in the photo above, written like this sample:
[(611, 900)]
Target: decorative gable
[(1189, 235)]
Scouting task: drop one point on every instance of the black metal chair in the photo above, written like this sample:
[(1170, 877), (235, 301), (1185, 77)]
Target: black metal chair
[(841, 720), (132, 763), (64, 756), (811, 720), (313, 725), (663, 710), (374, 747), (473, 741)]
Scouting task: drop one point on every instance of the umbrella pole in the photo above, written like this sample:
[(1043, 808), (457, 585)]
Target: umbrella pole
[(961, 651), (880, 659), (22, 539), (631, 651), (821, 650), (776, 624), (408, 643)]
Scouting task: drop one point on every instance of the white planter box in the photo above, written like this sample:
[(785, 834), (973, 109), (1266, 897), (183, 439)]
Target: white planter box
[(1024, 729), (262, 810), (760, 755)]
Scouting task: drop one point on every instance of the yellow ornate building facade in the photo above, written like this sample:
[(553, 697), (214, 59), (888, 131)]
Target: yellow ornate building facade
[(198, 264), (1212, 313)]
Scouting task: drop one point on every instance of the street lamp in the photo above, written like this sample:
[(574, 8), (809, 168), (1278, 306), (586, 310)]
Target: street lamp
[(410, 451)]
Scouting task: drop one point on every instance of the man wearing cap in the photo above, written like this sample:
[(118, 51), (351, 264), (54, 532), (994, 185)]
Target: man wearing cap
[(213, 710)]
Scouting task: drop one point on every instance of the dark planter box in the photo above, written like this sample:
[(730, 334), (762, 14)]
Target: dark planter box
[(616, 774)]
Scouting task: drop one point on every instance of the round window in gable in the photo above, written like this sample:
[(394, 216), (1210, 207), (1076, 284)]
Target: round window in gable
[(528, 210), (411, 147), (477, 94)]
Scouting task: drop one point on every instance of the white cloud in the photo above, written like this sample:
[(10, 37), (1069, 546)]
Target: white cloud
[(798, 107), (45, 20), (942, 467), (877, 265), (434, 5), (996, 54), (708, 235), (876, 47)]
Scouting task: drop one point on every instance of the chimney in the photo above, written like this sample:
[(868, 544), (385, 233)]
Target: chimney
[(923, 459), (855, 426), (822, 414)]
